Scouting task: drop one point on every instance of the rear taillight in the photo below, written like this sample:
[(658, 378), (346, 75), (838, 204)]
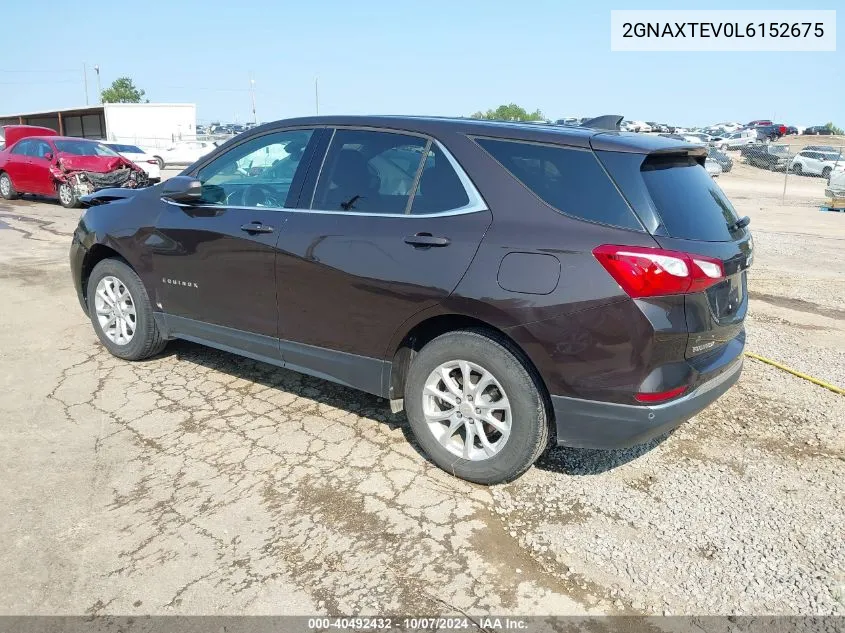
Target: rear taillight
[(653, 272), (659, 396)]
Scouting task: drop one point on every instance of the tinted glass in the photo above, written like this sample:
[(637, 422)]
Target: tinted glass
[(690, 203), (440, 188), (570, 180), (126, 149), (368, 171), (257, 173), (41, 149)]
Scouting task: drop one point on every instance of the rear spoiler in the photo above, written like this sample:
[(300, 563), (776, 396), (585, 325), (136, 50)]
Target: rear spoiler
[(604, 122)]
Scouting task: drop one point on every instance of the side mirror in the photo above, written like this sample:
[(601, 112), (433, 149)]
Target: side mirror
[(48, 156), (182, 189)]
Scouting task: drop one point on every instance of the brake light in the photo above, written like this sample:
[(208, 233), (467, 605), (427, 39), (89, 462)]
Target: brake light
[(654, 272), (660, 396)]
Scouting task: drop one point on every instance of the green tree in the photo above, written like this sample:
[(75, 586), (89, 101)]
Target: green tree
[(510, 112), (833, 129), (122, 90)]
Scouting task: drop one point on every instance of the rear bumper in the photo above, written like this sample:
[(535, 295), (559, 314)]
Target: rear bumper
[(606, 425)]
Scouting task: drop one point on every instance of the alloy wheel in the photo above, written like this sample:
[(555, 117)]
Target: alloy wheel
[(115, 310), (467, 410)]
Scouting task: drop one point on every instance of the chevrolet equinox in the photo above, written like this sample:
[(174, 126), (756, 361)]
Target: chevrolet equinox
[(508, 285)]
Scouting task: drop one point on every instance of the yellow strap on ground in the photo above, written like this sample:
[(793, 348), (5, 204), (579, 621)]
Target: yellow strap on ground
[(815, 381)]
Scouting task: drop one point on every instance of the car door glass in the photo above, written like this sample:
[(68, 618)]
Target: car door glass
[(369, 171), (41, 149), (23, 148), (257, 173), (440, 188)]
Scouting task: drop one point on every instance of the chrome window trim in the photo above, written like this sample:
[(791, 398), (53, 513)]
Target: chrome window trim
[(437, 214)]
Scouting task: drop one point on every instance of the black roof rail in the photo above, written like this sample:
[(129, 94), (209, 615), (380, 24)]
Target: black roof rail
[(604, 122)]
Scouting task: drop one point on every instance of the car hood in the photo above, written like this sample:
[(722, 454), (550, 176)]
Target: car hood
[(96, 164)]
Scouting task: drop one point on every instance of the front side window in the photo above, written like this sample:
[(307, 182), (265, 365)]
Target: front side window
[(368, 171), (41, 149), (257, 173)]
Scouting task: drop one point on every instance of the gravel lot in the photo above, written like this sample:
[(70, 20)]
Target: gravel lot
[(199, 482)]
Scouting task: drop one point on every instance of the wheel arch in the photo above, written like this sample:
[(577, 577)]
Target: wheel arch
[(432, 327), (97, 253)]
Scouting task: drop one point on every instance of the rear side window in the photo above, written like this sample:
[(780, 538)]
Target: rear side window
[(570, 180), (440, 188), (689, 203)]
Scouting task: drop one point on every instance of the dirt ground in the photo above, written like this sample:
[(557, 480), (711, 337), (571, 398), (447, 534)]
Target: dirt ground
[(202, 483)]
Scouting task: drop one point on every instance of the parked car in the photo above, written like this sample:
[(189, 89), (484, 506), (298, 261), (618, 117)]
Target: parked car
[(182, 153), (500, 282), (767, 156), (725, 161), (64, 167), (713, 168), (10, 134), (735, 140), (770, 132), (817, 163), (818, 129), (145, 161), (790, 130), (697, 137), (759, 123)]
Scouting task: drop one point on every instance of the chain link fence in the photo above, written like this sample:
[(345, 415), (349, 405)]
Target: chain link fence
[(799, 170)]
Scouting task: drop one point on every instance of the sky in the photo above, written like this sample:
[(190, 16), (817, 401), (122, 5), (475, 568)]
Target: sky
[(433, 57)]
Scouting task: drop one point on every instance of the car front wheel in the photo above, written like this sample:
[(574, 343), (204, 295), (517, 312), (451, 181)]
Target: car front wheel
[(475, 407), (67, 196), (121, 312)]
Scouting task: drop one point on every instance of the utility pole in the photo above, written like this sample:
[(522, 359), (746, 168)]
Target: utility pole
[(99, 88), (252, 94), (317, 94), (85, 81)]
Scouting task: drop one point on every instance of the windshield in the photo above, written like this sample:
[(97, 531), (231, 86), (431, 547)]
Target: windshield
[(126, 149), (84, 148)]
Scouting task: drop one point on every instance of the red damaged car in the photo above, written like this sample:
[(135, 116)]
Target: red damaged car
[(64, 167)]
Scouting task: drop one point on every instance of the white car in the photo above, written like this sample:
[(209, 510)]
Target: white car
[(817, 163), (713, 168), (735, 140), (183, 153), (145, 161), (696, 137)]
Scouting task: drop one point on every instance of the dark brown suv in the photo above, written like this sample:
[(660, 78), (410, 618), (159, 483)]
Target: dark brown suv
[(504, 283)]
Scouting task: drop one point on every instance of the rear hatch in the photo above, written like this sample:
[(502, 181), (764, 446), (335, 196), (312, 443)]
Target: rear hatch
[(686, 211)]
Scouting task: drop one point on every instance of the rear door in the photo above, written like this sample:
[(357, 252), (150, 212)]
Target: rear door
[(685, 210), (392, 225), (18, 166)]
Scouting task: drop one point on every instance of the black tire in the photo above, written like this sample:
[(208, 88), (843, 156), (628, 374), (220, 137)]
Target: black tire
[(797, 169), (7, 189), (160, 162), (67, 196), (826, 172), (529, 433), (146, 340)]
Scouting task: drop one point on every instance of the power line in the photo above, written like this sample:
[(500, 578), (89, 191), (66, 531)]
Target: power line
[(16, 70), (38, 83)]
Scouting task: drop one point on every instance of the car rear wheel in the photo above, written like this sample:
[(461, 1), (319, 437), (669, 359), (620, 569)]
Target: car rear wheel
[(797, 168), (7, 189), (67, 196), (476, 408), (826, 172), (121, 312), (160, 161)]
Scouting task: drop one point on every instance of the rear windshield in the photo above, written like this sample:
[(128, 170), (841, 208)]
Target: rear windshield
[(689, 203)]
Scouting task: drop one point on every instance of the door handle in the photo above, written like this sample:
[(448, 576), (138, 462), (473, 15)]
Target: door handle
[(256, 227), (426, 240)]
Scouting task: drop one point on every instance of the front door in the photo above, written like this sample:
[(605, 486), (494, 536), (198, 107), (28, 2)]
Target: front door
[(390, 231), (214, 260), (39, 169)]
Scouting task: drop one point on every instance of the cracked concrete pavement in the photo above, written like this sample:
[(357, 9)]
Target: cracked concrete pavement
[(198, 482)]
